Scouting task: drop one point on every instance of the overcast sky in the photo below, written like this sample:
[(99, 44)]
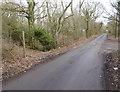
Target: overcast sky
[(106, 4)]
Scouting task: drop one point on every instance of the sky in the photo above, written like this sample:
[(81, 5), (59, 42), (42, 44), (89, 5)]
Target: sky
[(106, 4)]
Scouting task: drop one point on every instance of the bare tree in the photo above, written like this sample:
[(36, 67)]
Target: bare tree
[(91, 11), (81, 2), (61, 16), (115, 16)]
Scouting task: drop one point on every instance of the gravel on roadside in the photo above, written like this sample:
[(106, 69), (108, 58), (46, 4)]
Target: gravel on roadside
[(111, 57)]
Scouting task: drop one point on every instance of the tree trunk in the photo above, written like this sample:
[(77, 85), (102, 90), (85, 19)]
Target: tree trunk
[(115, 27), (119, 19), (31, 20)]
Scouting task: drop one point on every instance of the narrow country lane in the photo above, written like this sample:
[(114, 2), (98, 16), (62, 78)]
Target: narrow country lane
[(78, 69)]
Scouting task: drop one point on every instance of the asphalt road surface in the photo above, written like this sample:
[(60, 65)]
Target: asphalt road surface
[(78, 69)]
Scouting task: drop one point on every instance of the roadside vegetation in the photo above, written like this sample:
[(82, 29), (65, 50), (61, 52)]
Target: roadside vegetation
[(111, 70), (49, 25)]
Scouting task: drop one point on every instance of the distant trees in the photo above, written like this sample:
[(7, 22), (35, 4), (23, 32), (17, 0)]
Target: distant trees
[(91, 11), (114, 18)]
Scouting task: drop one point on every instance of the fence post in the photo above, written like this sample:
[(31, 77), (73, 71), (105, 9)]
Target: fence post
[(23, 36)]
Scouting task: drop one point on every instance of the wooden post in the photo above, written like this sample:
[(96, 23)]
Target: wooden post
[(23, 36)]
